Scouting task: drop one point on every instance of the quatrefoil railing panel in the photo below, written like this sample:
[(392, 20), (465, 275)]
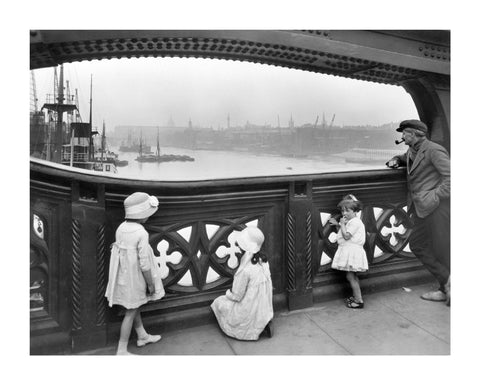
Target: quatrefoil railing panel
[(39, 271), (198, 256), (387, 233), (392, 227)]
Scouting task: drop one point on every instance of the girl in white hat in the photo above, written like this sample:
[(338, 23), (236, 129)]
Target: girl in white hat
[(134, 276), (246, 310)]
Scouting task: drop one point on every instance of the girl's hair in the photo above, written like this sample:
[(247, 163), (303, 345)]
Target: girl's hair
[(258, 257), (350, 202)]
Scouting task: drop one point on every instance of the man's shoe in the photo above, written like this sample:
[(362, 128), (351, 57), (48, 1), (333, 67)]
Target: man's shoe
[(437, 296), (149, 339), (447, 291)]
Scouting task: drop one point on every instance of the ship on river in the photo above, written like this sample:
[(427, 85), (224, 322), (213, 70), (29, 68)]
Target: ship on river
[(157, 157), (130, 146), (66, 141), (104, 155)]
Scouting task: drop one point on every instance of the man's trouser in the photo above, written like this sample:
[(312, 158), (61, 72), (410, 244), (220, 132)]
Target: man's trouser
[(430, 241)]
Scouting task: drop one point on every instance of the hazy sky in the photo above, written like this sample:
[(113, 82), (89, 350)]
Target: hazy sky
[(148, 91)]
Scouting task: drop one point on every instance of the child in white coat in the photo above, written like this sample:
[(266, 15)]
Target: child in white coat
[(134, 276)]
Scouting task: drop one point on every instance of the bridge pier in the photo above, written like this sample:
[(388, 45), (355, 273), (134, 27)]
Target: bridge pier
[(89, 268), (299, 245)]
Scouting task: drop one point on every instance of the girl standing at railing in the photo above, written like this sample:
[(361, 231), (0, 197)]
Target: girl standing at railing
[(350, 256), (134, 276)]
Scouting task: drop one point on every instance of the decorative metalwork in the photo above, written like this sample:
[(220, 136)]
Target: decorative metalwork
[(290, 252), (198, 256), (38, 226), (101, 276), (308, 252), (173, 258), (39, 257), (231, 251), (387, 233), (76, 276), (392, 233), (327, 239)]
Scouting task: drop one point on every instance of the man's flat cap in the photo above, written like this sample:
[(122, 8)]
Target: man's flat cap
[(413, 123)]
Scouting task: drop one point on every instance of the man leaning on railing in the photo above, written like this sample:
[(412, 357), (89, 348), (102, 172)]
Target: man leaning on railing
[(428, 177)]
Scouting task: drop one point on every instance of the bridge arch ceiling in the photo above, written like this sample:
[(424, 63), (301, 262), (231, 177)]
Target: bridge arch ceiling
[(419, 61)]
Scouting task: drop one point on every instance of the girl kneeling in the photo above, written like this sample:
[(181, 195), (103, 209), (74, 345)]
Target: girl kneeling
[(246, 311)]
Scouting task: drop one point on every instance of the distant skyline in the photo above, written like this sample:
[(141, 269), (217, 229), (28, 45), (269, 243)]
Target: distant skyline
[(151, 91)]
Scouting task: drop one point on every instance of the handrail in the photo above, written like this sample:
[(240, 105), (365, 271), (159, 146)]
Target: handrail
[(55, 169)]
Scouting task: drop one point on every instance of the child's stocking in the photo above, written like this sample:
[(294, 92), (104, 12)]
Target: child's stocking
[(141, 333), (122, 346)]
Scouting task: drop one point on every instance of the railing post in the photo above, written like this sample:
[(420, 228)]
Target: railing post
[(299, 245), (89, 270)]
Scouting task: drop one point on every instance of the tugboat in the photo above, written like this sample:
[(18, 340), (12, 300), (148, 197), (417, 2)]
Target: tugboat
[(161, 158), (104, 155), (145, 158)]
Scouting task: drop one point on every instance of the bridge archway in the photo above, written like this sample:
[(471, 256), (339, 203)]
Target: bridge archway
[(419, 61)]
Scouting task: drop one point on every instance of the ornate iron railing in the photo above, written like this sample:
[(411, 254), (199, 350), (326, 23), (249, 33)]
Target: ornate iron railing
[(75, 214)]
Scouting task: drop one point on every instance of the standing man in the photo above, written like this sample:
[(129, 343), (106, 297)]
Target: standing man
[(428, 178)]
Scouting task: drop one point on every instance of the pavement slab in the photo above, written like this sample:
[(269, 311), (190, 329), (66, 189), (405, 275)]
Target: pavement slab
[(292, 334), (378, 330), (430, 316), (200, 340)]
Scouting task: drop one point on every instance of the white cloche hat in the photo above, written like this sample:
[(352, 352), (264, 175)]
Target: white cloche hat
[(140, 205)]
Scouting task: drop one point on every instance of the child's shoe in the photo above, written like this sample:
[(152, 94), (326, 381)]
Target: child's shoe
[(149, 339), (447, 291), (349, 299), (353, 304), (268, 330)]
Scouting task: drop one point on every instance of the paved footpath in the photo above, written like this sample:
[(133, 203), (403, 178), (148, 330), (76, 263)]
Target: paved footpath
[(394, 322)]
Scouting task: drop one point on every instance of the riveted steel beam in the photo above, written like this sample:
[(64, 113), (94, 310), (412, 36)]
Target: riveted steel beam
[(389, 57)]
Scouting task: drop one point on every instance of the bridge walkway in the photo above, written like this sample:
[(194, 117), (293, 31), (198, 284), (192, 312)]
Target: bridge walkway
[(394, 322)]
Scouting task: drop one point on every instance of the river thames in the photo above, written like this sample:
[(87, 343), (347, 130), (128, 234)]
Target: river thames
[(228, 164)]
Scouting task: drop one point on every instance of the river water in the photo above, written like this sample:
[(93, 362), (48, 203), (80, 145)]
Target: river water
[(228, 164)]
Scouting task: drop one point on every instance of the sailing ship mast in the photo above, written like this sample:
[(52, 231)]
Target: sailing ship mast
[(90, 146), (158, 142), (58, 106), (57, 155), (104, 142)]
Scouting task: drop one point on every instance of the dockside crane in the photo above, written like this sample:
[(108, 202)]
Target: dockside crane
[(324, 122), (331, 123), (33, 93)]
